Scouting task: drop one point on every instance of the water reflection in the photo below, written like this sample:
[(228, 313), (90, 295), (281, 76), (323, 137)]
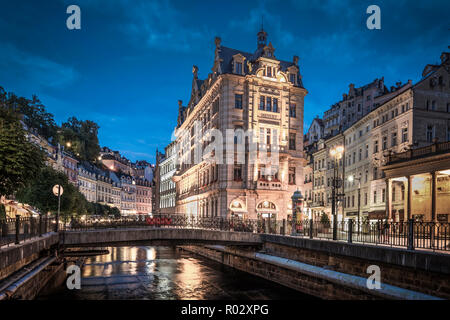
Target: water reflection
[(167, 273)]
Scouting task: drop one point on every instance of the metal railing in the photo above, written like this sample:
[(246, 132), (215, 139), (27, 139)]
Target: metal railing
[(437, 147), (19, 229), (410, 234)]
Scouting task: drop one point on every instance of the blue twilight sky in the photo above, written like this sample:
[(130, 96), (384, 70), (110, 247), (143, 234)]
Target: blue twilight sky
[(132, 60)]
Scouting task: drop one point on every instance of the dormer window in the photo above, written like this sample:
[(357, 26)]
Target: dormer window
[(292, 77), (238, 64), (238, 67)]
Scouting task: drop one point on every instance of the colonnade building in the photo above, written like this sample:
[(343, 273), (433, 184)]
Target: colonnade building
[(406, 119)]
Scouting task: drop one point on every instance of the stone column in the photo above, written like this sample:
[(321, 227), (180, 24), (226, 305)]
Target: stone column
[(408, 197), (433, 196), (389, 199)]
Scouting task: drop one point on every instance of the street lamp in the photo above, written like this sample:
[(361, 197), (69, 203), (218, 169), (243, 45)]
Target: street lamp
[(336, 153), (351, 179), (297, 199), (68, 144)]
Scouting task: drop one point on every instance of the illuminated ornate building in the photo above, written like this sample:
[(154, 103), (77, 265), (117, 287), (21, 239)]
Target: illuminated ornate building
[(128, 195), (167, 189), (247, 91), (115, 162), (87, 181), (406, 117), (143, 196)]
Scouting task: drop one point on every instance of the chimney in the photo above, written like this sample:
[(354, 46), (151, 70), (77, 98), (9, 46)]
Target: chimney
[(217, 41)]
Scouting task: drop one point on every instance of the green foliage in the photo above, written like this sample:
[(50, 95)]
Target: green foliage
[(103, 210), (40, 195), (22, 164), (35, 116), (324, 219), (82, 136), (32, 113), (20, 160)]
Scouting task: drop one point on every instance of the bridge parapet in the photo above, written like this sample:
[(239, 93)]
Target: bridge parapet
[(128, 236)]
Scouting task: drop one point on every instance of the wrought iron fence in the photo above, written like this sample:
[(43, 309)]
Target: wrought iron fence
[(19, 229), (410, 234)]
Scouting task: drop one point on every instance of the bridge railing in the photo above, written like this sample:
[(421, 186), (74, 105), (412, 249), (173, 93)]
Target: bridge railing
[(19, 229), (410, 234)]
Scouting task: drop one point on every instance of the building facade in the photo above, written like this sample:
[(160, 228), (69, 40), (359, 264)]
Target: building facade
[(406, 117), (87, 182), (245, 92), (167, 189), (143, 196), (128, 195), (418, 182)]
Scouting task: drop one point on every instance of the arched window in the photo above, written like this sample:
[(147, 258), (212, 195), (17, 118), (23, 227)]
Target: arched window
[(266, 205)]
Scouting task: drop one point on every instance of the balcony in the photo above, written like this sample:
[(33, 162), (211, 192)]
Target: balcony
[(264, 184), (318, 204), (435, 148)]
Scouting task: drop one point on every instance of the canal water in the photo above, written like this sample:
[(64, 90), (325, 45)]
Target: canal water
[(164, 273)]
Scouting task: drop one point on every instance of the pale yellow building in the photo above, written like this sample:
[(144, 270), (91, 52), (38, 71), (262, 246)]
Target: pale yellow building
[(247, 91)]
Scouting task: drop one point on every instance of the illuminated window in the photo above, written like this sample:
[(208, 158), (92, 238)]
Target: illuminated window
[(292, 110), (262, 102), (275, 105), (268, 104), (394, 139), (238, 101), (238, 172), (291, 141), (404, 135), (292, 175)]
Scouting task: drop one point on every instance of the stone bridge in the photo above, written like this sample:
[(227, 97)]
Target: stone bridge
[(157, 236)]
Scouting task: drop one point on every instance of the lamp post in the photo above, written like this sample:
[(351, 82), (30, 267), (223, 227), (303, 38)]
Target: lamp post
[(297, 200), (336, 153), (58, 191), (351, 179)]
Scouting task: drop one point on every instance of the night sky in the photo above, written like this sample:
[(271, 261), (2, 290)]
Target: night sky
[(132, 59)]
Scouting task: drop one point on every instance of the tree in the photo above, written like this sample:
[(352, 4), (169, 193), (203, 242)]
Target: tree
[(35, 116), (325, 220), (40, 195), (20, 160), (82, 136)]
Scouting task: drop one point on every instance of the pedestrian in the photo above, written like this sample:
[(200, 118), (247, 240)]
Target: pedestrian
[(386, 230)]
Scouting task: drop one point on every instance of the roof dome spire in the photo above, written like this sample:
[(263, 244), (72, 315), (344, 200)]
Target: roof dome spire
[(262, 36)]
